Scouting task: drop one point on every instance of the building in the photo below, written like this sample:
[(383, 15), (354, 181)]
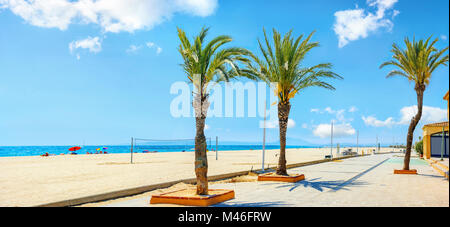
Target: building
[(432, 137)]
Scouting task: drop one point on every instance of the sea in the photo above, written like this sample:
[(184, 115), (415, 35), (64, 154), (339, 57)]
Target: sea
[(14, 151)]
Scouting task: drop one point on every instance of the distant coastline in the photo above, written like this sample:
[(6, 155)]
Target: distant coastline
[(21, 151)]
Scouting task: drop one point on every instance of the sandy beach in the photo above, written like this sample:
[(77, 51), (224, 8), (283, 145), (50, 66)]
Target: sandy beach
[(31, 181)]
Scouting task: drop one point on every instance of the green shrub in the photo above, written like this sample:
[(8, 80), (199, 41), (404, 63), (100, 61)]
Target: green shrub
[(419, 147)]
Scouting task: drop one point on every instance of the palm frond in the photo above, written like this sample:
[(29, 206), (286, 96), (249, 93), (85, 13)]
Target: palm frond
[(210, 62), (281, 63), (417, 61)]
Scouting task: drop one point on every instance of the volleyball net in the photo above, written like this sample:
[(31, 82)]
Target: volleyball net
[(139, 145)]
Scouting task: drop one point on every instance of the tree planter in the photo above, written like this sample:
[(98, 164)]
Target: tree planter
[(411, 172), (188, 197), (274, 177)]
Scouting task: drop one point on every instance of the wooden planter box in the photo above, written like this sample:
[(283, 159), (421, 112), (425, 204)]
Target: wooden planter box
[(189, 197), (274, 177), (412, 171)]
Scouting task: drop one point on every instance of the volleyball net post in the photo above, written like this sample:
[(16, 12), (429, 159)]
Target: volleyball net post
[(217, 151), (131, 150), (140, 145)]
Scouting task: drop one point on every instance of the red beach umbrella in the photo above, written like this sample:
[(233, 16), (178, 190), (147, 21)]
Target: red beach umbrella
[(74, 148)]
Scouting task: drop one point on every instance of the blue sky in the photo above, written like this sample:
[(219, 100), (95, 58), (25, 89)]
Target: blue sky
[(100, 72)]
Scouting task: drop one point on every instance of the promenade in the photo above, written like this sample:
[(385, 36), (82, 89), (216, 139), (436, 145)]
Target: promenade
[(364, 181)]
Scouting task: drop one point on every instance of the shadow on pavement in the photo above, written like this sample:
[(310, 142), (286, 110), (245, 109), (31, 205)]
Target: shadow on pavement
[(255, 204), (321, 185), (433, 176)]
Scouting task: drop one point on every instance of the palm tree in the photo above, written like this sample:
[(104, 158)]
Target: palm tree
[(206, 64), (417, 63), (282, 64)]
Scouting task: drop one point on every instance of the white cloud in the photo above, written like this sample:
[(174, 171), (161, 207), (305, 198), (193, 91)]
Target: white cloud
[(429, 115), (354, 24), (43, 13), (342, 128), (444, 37), (93, 45), (291, 123), (197, 7), (372, 121), (352, 109), (382, 4), (339, 130), (329, 110), (152, 45), (158, 50), (395, 13), (340, 114), (274, 124), (112, 15), (207, 127), (270, 124), (132, 49)]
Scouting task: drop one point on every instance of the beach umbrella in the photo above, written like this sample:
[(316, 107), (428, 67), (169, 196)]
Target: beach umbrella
[(74, 148), (102, 149)]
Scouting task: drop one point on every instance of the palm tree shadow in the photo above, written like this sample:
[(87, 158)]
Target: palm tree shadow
[(432, 176), (322, 185), (254, 204)]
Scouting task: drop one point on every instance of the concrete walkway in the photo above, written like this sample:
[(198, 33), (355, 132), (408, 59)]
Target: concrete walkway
[(444, 162), (364, 181)]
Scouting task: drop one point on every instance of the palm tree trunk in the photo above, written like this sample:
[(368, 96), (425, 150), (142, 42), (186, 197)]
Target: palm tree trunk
[(201, 161), (283, 117), (412, 126)]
